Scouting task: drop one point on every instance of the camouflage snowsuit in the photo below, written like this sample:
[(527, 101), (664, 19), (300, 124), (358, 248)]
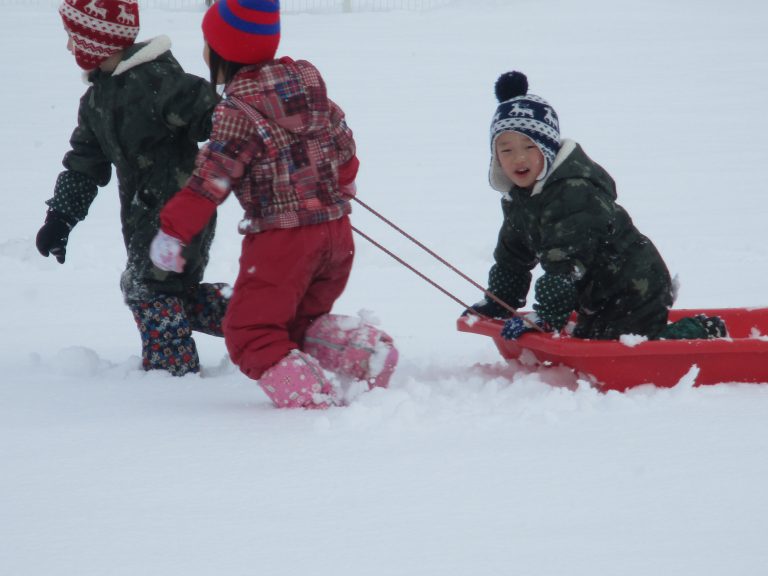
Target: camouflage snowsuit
[(571, 224), (146, 118)]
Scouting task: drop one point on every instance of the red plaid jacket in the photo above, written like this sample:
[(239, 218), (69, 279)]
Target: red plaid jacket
[(290, 160)]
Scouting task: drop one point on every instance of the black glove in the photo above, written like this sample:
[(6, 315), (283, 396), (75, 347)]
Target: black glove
[(52, 237), (507, 285), (489, 308)]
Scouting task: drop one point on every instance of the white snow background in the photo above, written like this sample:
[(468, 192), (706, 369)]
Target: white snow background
[(467, 465)]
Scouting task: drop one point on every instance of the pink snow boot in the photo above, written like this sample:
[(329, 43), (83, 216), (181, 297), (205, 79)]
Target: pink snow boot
[(297, 381), (352, 348)]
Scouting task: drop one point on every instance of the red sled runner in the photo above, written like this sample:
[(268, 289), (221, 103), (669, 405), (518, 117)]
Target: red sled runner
[(614, 365)]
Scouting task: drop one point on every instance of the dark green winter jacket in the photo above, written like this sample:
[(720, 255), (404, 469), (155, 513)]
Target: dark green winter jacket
[(145, 118), (571, 225)]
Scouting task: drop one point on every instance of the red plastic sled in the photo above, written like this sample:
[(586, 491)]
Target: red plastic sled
[(613, 365)]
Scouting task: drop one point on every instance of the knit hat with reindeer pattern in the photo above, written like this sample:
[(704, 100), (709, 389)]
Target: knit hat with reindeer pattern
[(99, 28), (527, 114)]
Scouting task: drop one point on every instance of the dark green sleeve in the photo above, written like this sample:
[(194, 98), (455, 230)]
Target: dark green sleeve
[(86, 155), (510, 276), (86, 168), (186, 103)]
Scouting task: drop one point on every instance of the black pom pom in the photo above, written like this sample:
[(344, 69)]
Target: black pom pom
[(511, 84)]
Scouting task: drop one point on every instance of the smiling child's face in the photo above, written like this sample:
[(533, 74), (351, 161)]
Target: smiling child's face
[(520, 159)]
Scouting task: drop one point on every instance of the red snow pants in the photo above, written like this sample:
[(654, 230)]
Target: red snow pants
[(288, 277)]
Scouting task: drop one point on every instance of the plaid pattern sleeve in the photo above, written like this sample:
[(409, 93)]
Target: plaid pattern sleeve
[(222, 163), (186, 214), (341, 134)]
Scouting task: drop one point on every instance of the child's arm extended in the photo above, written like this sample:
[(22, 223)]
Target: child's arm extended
[(510, 277), (86, 168), (216, 173), (219, 167), (74, 191)]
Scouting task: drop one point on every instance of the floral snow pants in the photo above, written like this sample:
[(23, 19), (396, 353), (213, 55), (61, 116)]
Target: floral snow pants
[(166, 323)]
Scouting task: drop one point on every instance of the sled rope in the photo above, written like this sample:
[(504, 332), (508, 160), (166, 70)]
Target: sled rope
[(411, 268), (251, 113), (423, 247), (437, 257)]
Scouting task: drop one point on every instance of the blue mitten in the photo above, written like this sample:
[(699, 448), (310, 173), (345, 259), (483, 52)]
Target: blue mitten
[(514, 328), (517, 326)]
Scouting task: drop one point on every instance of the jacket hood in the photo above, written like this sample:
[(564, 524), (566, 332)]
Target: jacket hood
[(142, 53), (289, 93), (572, 162), (158, 48)]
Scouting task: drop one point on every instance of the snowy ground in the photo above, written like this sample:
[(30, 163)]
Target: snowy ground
[(466, 465)]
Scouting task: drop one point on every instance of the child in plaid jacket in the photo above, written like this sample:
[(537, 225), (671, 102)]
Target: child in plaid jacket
[(284, 148)]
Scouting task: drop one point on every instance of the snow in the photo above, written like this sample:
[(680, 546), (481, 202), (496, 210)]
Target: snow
[(632, 340), (467, 465)]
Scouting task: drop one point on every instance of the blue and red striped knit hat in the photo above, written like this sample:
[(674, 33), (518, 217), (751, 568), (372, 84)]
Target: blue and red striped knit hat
[(243, 31)]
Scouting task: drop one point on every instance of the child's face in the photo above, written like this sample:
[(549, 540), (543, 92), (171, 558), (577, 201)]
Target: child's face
[(520, 159)]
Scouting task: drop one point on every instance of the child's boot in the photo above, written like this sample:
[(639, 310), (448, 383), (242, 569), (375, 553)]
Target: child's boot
[(352, 348), (695, 327), (205, 306), (297, 381), (714, 326), (166, 337)]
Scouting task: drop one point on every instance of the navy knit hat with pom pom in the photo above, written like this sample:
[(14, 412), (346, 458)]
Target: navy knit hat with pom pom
[(527, 114)]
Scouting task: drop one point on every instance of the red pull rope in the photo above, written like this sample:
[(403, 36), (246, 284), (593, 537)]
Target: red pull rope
[(411, 268), (484, 290)]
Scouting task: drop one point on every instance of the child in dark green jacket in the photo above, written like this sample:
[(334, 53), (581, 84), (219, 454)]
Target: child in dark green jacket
[(143, 115), (560, 212)]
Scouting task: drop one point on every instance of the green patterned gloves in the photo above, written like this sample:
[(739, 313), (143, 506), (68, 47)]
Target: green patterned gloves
[(73, 194), (556, 299), (506, 285)]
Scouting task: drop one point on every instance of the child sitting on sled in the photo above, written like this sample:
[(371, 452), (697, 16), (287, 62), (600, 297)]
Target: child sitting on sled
[(560, 211), (285, 150)]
